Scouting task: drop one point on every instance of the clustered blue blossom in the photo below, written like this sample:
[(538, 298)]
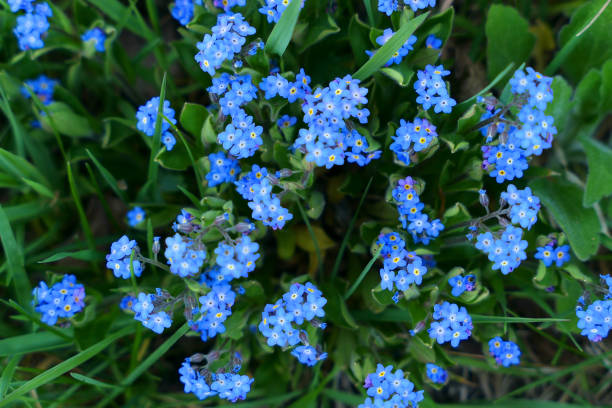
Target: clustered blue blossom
[(529, 134), (453, 324), (524, 206), (328, 141), (436, 374), (204, 384), (303, 303), (149, 310), (118, 260), (31, 27), (147, 116), (273, 9), (397, 57), (596, 321), (226, 41), (401, 268), (276, 84), (61, 301), (127, 302), (236, 260), (411, 213), (97, 36), (433, 42), (431, 89), (388, 388), (135, 216), (549, 254), (215, 308), (183, 10), (256, 187), (241, 137), (506, 252), (184, 255), (43, 87), (506, 353), (223, 169), (412, 137), (461, 284), (228, 4), (390, 6), (286, 121)]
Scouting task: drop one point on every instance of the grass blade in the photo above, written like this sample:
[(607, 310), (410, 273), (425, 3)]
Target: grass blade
[(31, 343), (504, 319), (155, 145), (15, 261), (91, 381), (363, 273), (7, 374), (108, 177), (313, 236), (148, 362), (283, 30), (65, 366), (349, 230), (385, 52)]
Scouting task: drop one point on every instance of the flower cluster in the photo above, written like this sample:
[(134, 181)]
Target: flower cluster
[(33, 25), (273, 9), (118, 260), (147, 116), (228, 4), (223, 169), (42, 87), (411, 216), (233, 91), (276, 84), (549, 254), (506, 252), (528, 134), (203, 384), (303, 303), (135, 216), (216, 307), (61, 301), (524, 206), (596, 321), (453, 324), (148, 310), (401, 268), (397, 57), (183, 10), (412, 137), (255, 187), (227, 38), (328, 141), (236, 260), (97, 36), (390, 389), (462, 284), (184, 255), (242, 137), (506, 353), (436, 374), (390, 6), (431, 88)]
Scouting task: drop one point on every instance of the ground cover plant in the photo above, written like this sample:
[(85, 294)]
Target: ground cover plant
[(305, 203)]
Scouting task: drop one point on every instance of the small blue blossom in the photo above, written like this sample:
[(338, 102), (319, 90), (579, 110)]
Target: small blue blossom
[(97, 36), (431, 89), (433, 42), (436, 374), (61, 301), (135, 216), (42, 87), (506, 353), (223, 169), (33, 26), (453, 324), (386, 388)]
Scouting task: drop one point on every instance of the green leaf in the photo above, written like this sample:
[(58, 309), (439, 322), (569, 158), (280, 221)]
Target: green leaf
[(599, 179), (65, 121), (39, 188), (31, 343), (584, 104), (385, 52), (593, 47), (316, 204), (91, 381), (108, 177), (564, 201), (192, 117), (323, 27), (84, 255), (561, 106), (421, 351), (508, 38), (15, 261), (476, 318), (283, 30), (65, 366), (175, 159), (401, 74), (19, 167)]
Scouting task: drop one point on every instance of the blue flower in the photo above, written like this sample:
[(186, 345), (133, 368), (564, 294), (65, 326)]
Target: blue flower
[(506, 353), (135, 216), (33, 26), (42, 87), (436, 374), (273, 9), (147, 116), (97, 36), (61, 301), (431, 89), (453, 324), (433, 42)]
